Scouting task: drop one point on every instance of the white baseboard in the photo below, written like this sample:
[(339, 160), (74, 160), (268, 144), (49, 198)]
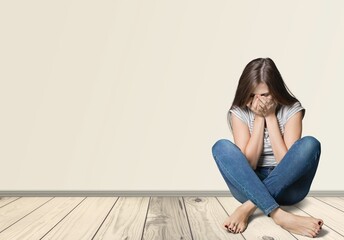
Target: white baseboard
[(141, 193)]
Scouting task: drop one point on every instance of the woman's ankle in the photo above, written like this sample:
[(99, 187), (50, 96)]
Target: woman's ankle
[(276, 215), (249, 206)]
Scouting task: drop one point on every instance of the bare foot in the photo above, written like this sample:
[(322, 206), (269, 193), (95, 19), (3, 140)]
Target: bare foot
[(237, 222), (306, 226)]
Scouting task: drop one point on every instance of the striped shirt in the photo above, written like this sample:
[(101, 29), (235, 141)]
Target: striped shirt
[(267, 157)]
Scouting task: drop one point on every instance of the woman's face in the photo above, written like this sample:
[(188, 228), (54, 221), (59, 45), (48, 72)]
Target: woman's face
[(261, 90)]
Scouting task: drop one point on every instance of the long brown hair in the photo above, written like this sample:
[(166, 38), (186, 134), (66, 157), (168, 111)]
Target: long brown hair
[(262, 70)]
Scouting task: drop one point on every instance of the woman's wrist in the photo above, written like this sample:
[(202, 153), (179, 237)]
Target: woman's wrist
[(270, 117), (259, 118)]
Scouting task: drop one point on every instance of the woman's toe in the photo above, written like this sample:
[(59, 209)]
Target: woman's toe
[(235, 228)]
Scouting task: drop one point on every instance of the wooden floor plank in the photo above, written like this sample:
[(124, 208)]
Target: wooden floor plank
[(18, 209), (255, 230), (206, 216), (84, 220), (166, 219), (152, 218), (6, 200), (39, 222), (333, 218), (126, 219), (333, 201)]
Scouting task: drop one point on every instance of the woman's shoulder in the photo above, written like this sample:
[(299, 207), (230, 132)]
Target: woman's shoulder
[(243, 114), (287, 111), (239, 111)]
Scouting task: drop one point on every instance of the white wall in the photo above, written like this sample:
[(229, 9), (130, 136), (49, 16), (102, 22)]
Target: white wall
[(131, 95)]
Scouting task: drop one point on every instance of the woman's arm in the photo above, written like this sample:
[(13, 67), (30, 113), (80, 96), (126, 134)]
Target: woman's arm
[(250, 145), (278, 145), (292, 132)]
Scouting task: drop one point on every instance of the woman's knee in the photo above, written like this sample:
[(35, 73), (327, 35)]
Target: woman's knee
[(220, 146), (311, 145)]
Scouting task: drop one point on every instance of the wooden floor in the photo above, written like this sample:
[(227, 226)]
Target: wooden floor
[(151, 218)]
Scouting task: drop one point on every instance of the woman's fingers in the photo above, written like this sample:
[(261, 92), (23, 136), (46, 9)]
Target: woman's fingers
[(249, 104), (265, 100), (260, 105), (255, 102), (262, 99), (268, 102)]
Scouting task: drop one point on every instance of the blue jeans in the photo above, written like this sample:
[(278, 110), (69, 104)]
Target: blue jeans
[(269, 187)]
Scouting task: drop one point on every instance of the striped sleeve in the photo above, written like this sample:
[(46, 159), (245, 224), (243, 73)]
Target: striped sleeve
[(238, 112), (296, 107)]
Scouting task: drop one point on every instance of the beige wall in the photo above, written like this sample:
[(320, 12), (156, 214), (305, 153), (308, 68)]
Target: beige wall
[(131, 95)]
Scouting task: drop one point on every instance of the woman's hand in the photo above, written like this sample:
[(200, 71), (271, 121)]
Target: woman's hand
[(267, 105), (256, 105), (262, 106)]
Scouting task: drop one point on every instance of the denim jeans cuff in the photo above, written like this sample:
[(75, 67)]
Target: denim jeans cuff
[(270, 209)]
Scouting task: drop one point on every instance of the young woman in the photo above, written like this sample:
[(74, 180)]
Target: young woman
[(270, 164)]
